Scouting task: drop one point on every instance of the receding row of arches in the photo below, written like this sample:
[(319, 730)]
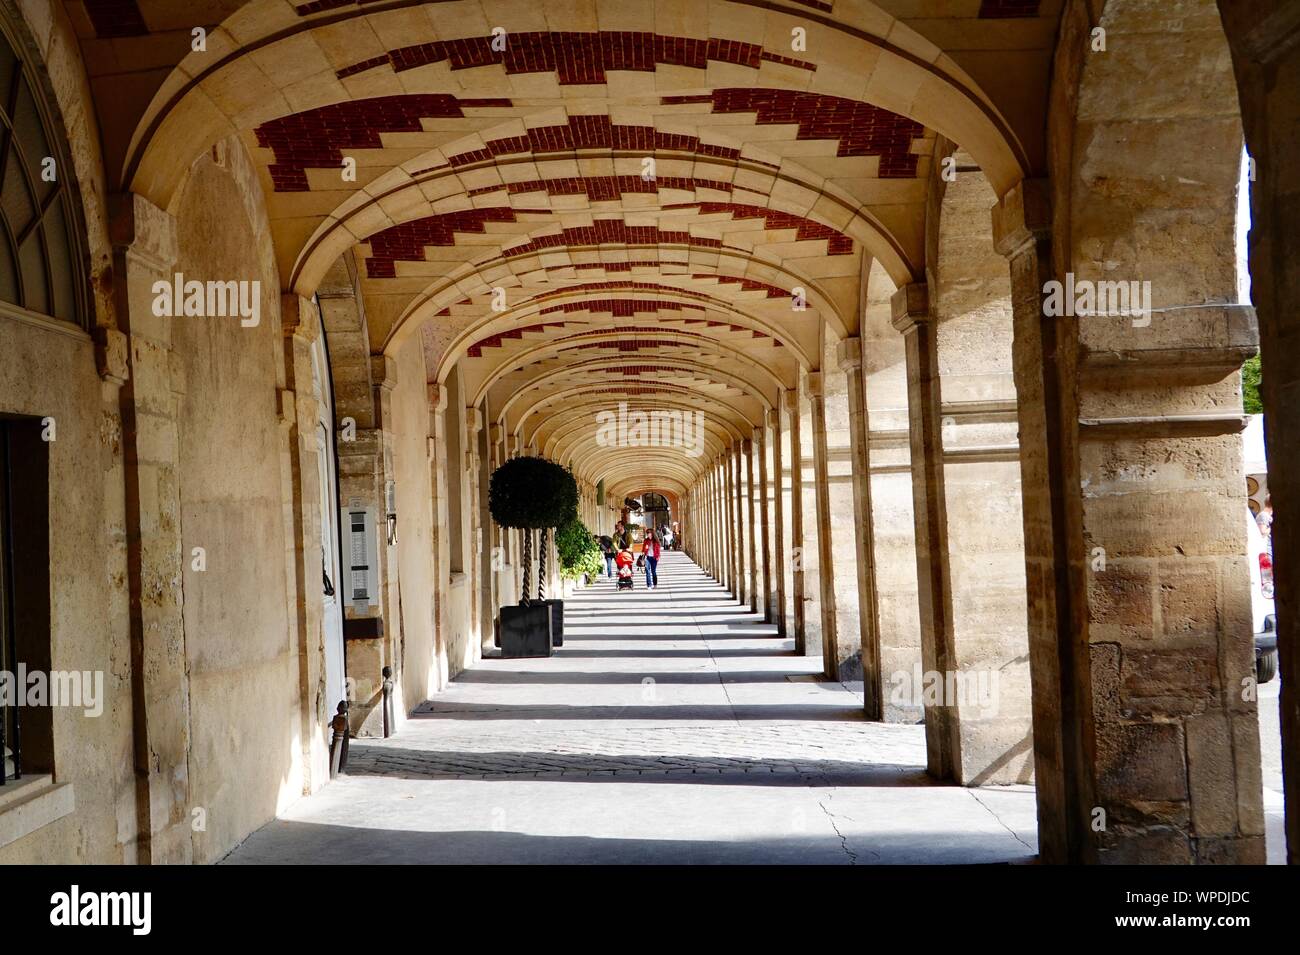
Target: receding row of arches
[(813, 323)]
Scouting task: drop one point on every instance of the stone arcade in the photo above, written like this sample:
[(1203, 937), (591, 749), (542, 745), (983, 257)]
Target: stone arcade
[(842, 266)]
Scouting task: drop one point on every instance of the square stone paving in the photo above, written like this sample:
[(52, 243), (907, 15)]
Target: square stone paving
[(672, 727)]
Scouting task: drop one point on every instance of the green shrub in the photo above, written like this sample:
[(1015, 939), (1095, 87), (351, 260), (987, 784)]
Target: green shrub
[(579, 553)]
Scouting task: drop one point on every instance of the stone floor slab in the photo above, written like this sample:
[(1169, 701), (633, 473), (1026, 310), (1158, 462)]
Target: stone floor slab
[(672, 727)]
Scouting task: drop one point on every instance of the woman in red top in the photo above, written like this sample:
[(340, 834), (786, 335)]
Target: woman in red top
[(651, 550)]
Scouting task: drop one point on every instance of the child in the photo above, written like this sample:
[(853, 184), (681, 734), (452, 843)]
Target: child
[(624, 561)]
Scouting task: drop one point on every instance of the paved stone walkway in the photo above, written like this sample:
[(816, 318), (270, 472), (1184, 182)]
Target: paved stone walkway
[(672, 727)]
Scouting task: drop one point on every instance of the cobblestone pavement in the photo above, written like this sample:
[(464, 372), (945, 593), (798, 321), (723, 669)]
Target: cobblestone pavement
[(672, 726)]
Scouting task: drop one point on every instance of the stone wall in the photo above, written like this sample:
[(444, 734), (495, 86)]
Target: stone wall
[(422, 669), (242, 668)]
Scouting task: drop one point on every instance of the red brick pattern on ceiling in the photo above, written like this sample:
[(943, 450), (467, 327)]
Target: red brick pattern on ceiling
[(591, 132), (632, 286), (604, 188), (638, 389), (316, 138), (623, 345), (610, 232), (577, 58), (620, 307), (747, 285), (837, 243), (494, 341), (861, 128), (115, 18), (615, 266), (405, 242), (1008, 9), (317, 6)]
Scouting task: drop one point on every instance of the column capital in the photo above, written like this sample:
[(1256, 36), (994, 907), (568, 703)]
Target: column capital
[(143, 230), (910, 306), (383, 371), (774, 417), (812, 383), (473, 420), (747, 445), (494, 433), (760, 433), (1023, 215), (848, 353), (299, 318), (791, 398), (437, 397)]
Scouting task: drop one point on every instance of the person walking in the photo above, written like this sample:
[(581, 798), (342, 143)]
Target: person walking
[(608, 551), (651, 550)]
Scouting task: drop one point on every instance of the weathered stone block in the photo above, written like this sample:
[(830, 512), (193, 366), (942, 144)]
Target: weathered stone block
[(1140, 761)]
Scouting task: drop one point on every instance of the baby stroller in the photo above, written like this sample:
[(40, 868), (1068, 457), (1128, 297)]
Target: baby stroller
[(624, 562)]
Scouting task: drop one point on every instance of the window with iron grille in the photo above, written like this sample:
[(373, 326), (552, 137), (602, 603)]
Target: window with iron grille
[(42, 268)]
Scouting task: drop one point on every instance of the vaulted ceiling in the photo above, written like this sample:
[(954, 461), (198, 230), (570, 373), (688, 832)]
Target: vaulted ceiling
[(669, 203)]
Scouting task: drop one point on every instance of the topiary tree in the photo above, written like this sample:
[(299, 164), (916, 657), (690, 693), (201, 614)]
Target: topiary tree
[(529, 494)]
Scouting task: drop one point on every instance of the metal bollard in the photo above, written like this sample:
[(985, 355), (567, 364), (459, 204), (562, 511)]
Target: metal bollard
[(388, 702), (339, 744)]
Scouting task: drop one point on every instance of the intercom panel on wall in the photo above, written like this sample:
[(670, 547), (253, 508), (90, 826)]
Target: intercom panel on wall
[(359, 525)]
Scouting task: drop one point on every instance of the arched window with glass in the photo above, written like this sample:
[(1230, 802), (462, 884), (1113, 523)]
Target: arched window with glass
[(40, 269)]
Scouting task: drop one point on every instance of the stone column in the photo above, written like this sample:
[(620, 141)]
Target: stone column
[(1139, 607), (746, 461), (912, 317), (711, 517), (797, 538), (732, 540), (849, 356), (476, 505), (300, 326), (970, 553), (440, 546), (1266, 57), (723, 534), (144, 252), (893, 529), (763, 501), (776, 583), (744, 520), (839, 661)]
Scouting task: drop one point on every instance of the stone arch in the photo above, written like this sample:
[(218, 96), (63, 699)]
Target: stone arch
[(208, 97)]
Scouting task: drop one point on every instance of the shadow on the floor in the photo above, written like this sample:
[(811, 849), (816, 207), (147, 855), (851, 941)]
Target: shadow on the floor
[(594, 634), (844, 709), (596, 654), (392, 761), (496, 675), (301, 843)]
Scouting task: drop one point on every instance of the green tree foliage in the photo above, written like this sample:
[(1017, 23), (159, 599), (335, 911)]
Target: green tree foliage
[(579, 552), (532, 493), (1250, 378)]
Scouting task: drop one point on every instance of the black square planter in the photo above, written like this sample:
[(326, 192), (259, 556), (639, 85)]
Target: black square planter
[(526, 631), (557, 620)]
